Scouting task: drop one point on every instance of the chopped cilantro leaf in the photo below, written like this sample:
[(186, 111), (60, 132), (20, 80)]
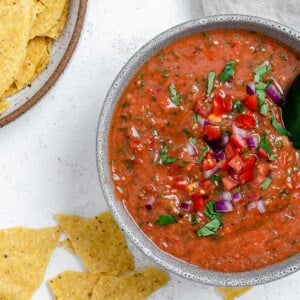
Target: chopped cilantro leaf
[(174, 96), (264, 109), (186, 131), (215, 179), (204, 149), (273, 156), (194, 220), (238, 106), (192, 141), (164, 157), (266, 183), (210, 228), (210, 211), (265, 144), (280, 130), (165, 220), (196, 120), (228, 71), (210, 82), (260, 71), (165, 74)]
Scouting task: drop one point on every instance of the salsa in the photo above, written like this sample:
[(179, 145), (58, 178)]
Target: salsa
[(200, 157)]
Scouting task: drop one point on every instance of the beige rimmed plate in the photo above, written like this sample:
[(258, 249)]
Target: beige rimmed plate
[(61, 54)]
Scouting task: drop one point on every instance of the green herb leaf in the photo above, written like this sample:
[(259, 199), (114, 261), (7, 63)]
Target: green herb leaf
[(186, 131), (261, 96), (196, 120), (192, 141), (174, 96), (228, 71), (280, 130), (260, 71), (265, 144), (210, 82), (165, 74), (210, 211), (204, 149), (164, 157), (238, 106), (273, 156), (264, 109), (209, 228), (165, 220), (215, 179), (266, 183), (194, 220)]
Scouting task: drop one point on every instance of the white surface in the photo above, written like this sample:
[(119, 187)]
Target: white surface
[(48, 155)]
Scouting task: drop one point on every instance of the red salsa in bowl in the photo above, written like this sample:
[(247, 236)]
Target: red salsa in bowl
[(200, 157)]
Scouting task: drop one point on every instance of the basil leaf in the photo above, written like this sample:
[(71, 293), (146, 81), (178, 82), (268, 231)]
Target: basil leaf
[(174, 96), (210, 82), (228, 71), (205, 149), (238, 106), (260, 71), (280, 130), (165, 220), (210, 211), (164, 157), (209, 228), (215, 179), (265, 144), (266, 183)]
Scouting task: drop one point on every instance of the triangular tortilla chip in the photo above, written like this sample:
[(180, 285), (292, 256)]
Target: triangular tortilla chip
[(99, 242), (24, 257), (73, 285), (66, 244), (15, 26), (133, 286), (232, 293)]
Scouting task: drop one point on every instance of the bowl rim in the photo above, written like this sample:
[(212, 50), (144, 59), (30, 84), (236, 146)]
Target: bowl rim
[(184, 269), (57, 72)]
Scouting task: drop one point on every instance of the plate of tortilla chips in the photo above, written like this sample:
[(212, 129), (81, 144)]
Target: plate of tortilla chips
[(38, 38)]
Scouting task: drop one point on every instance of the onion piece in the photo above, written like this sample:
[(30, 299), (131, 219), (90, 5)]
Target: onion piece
[(225, 139), (252, 141), (228, 84), (252, 205), (191, 149), (236, 197), (148, 206), (239, 132), (223, 206), (261, 206), (226, 196), (278, 86), (210, 172), (220, 155), (185, 205), (202, 121), (250, 88), (274, 94)]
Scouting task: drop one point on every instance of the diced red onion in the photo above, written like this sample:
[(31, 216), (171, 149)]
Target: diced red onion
[(236, 197), (202, 121), (226, 196), (205, 197), (278, 86), (191, 149), (185, 206), (274, 94), (228, 84), (261, 206), (239, 132), (134, 132), (225, 139), (220, 155), (205, 123), (251, 205), (210, 172), (222, 93), (223, 206), (148, 206), (252, 141), (250, 88)]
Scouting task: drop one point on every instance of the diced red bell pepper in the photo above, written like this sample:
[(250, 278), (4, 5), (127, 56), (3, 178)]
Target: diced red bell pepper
[(229, 183), (245, 121), (251, 102), (246, 176), (250, 161), (237, 163), (222, 105), (230, 151), (209, 162), (180, 182), (198, 202), (262, 153), (238, 142), (213, 132), (203, 109)]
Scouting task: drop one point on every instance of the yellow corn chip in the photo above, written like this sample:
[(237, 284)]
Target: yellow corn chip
[(133, 286), (48, 18), (99, 242), (232, 293), (66, 244), (73, 285), (38, 6), (56, 31), (24, 256)]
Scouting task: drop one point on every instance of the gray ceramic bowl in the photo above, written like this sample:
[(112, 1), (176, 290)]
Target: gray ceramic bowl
[(179, 267)]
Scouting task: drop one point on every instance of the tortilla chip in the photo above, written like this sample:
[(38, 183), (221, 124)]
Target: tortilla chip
[(24, 257), (56, 31), (4, 104), (232, 293), (66, 244), (99, 242), (38, 6), (15, 26), (133, 286), (73, 285), (48, 18)]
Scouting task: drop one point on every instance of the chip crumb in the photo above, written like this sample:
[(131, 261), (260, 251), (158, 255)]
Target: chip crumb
[(232, 293)]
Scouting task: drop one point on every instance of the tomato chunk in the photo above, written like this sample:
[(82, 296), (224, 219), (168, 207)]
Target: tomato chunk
[(246, 176), (238, 142), (208, 186), (229, 183), (250, 161), (229, 151), (198, 202), (237, 163), (213, 132), (180, 182), (251, 102), (209, 162), (202, 108), (222, 105), (262, 153), (245, 121)]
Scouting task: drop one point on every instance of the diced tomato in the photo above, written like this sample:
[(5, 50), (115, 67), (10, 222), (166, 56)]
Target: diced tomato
[(203, 109), (229, 183), (250, 161), (222, 164), (213, 132), (173, 169), (180, 182), (245, 121), (214, 119), (150, 188), (229, 151), (262, 153), (222, 105), (208, 186), (251, 102), (238, 142), (209, 162), (263, 171), (136, 145), (246, 176), (198, 202), (236, 163), (151, 141)]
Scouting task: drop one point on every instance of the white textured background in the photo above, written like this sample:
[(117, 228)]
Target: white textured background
[(47, 159)]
